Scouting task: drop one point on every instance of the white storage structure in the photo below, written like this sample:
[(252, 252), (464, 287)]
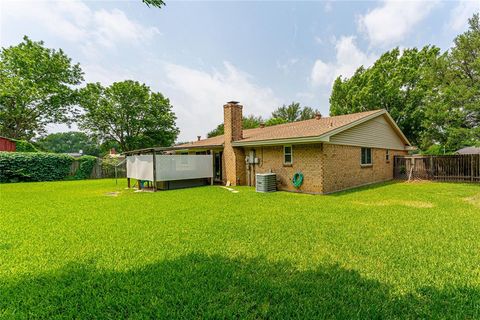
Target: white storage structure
[(170, 171)]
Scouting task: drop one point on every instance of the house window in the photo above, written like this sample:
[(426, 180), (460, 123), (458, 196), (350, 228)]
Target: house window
[(387, 156), (287, 155), (366, 156)]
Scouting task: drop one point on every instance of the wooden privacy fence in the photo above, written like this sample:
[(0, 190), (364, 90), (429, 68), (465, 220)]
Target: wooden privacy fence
[(461, 168), (102, 169)]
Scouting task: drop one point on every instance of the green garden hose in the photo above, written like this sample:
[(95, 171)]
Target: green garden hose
[(297, 179)]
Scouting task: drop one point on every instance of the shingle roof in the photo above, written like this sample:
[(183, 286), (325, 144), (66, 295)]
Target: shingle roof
[(469, 150), (214, 141), (299, 129)]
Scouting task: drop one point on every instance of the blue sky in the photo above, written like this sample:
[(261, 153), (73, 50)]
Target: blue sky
[(202, 54)]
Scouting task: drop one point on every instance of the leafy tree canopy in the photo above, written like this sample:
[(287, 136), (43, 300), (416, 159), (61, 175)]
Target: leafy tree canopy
[(128, 113), (294, 112), (453, 110), (249, 122), (396, 82), (36, 88), (154, 3), (274, 121), (434, 97), (66, 142)]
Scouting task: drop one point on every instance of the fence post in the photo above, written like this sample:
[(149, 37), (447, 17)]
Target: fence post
[(154, 171), (471, 167), (431, 171)]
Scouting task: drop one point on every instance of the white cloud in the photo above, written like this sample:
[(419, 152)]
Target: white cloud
[(198, 96), (287, 65), (106, 76), (328, 7), (348, 58), (461, 13), (114, 26), (393, 20), (322, 73), (74, 21)]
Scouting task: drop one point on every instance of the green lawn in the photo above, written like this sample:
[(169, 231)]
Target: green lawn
[(396, 250)]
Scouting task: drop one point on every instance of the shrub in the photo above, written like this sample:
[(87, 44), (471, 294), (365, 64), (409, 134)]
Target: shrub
[(436, 150), (86, 166), (27, 166), (24, 146), (110, 165)]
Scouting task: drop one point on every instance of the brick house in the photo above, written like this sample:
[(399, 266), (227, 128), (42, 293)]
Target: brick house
[(333, 153)]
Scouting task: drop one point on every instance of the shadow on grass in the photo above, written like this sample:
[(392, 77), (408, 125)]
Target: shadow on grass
[(199, 286), (372, 186)]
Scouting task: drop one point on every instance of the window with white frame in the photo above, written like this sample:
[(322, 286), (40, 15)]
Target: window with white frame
[(366, 156), (387, 155), (287, 155)]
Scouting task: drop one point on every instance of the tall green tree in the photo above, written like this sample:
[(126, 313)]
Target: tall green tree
[(453, 111), (36, 88), (154, 3), (129, 113), (249, 122), (274, 121), (73, 141), (294, 112), (398, 82)]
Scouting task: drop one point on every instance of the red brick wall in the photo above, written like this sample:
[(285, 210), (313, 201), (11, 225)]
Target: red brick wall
[(326, 167), (343, 170), (306, 159)]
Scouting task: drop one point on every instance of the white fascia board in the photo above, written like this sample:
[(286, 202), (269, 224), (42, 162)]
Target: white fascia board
[(274, 142)]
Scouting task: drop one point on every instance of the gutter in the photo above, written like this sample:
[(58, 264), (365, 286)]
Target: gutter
[(273, 142), (160, 149)]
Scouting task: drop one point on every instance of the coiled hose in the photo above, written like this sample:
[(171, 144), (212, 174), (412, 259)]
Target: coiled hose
[(297, 179)]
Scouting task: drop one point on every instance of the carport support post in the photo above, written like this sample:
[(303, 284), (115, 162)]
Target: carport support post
[(128, 183), (154, 171), (213, 165)]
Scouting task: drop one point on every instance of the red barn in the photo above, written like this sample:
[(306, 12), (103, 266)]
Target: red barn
[(7, 144)]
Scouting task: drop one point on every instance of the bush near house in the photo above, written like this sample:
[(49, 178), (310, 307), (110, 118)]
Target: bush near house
[(24, 146), (86, 166), (42, 166)]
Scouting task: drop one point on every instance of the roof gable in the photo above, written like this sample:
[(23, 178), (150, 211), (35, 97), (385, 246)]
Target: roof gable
[(376, 132)]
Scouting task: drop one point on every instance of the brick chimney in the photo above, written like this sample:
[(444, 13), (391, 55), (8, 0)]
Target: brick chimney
[(318, 116), (234, 156), (232, 121)]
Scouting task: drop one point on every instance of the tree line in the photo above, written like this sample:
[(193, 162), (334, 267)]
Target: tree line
[(40, 86), (434, 97)]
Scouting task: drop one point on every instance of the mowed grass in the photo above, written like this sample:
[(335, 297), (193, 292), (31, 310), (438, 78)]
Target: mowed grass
[(395, 250)]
